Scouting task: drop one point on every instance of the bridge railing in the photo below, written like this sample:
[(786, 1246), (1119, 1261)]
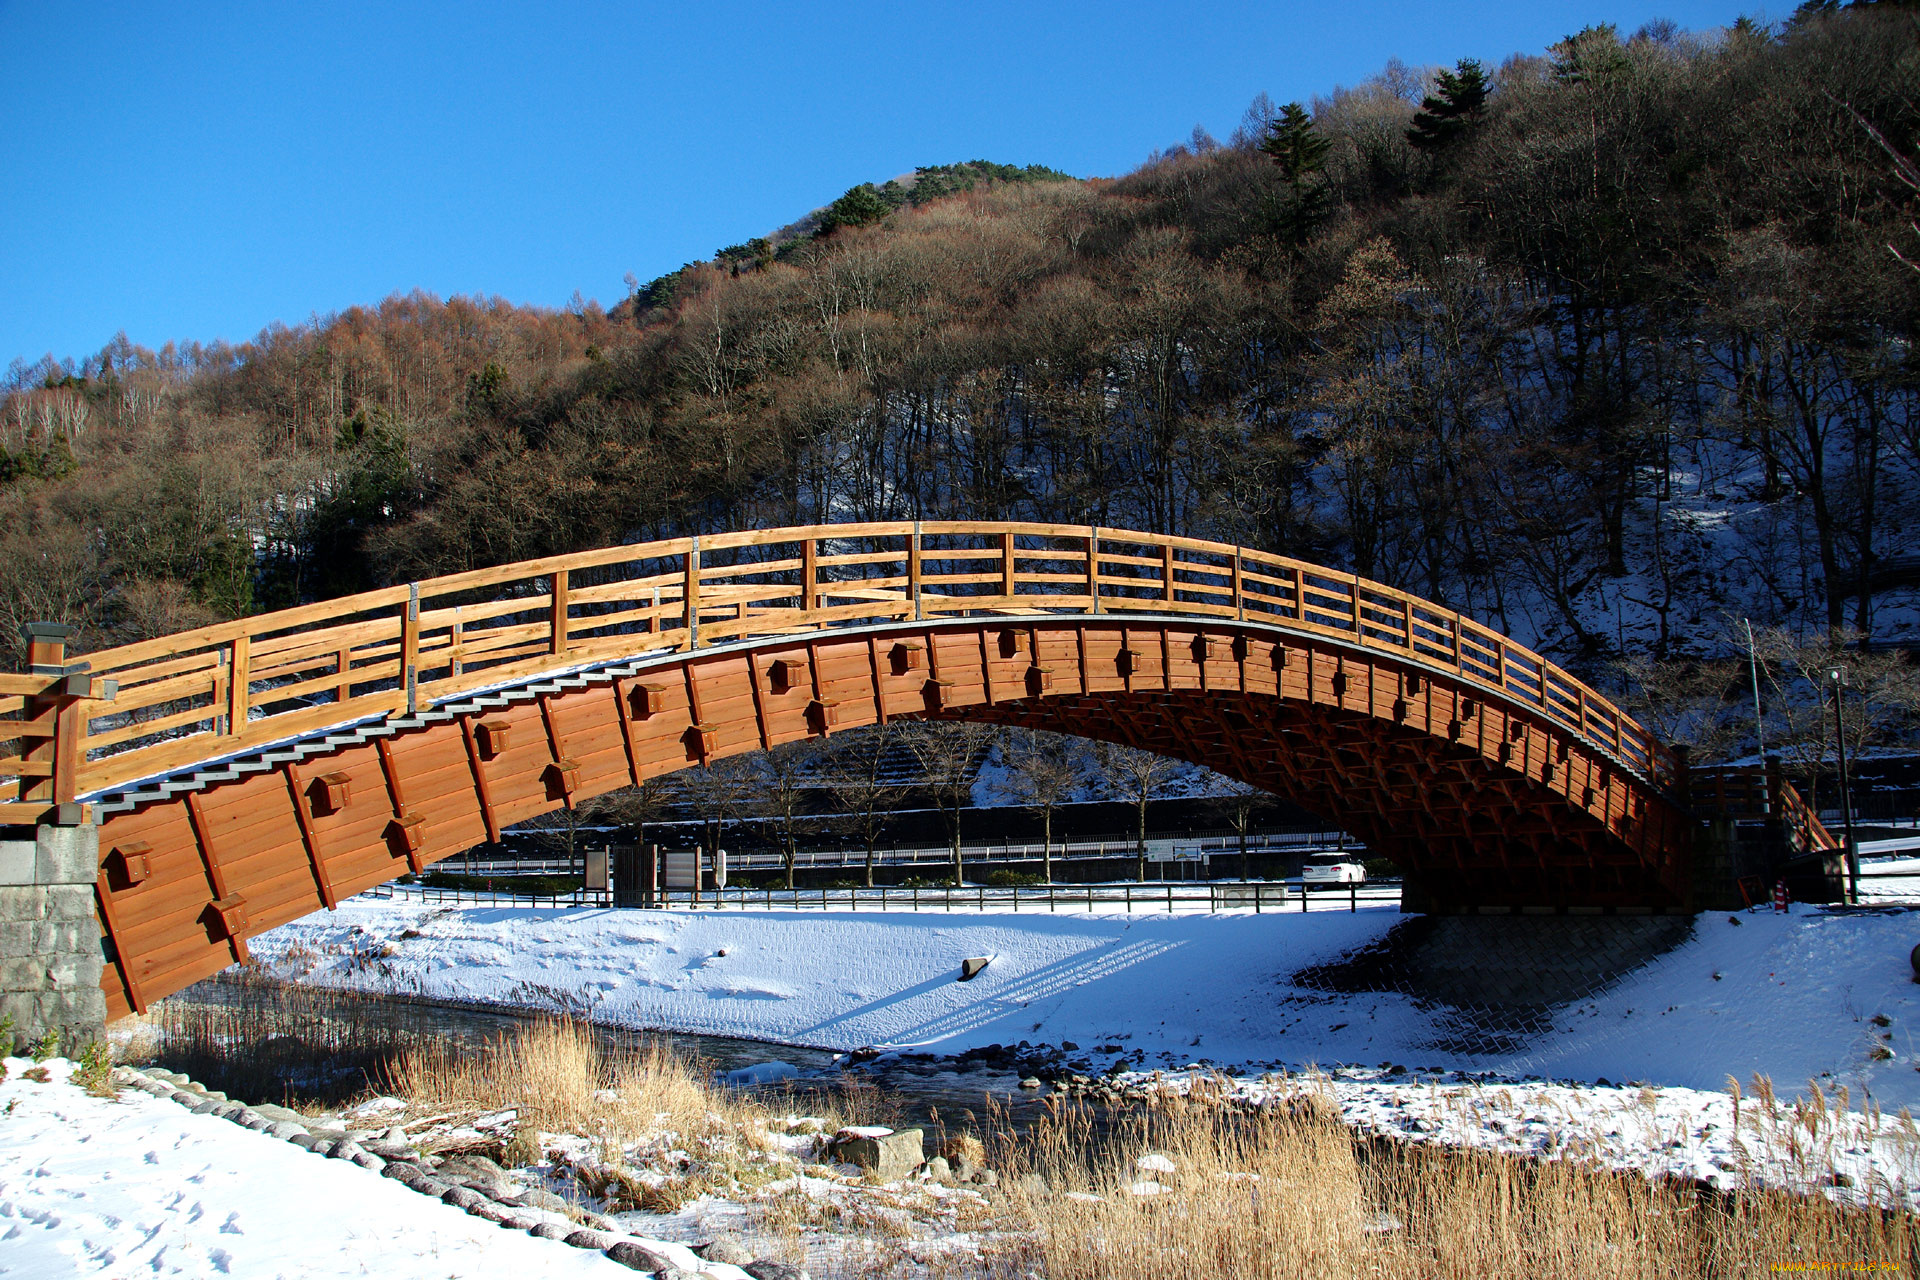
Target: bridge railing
[(1750, 793), (235, 686)]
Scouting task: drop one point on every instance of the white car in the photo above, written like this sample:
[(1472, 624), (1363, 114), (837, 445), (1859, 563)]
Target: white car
[(1333, 873)]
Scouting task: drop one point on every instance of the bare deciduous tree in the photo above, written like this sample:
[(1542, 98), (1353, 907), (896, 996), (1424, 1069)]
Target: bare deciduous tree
[(948, 752), (790, 772), (1241, 804), (723, 792), (1045, 770), (862, 790), (1134, 775), (1882, 694)]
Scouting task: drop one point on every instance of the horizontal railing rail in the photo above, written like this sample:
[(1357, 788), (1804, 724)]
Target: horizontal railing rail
[(1758, 793), (238, 685), (941, 855), (1168, 898)]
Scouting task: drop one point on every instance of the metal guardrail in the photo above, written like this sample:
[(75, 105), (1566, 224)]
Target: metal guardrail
[(1166, 898), (941, 855)]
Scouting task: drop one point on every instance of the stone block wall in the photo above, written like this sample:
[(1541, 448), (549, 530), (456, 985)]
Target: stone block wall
[(50, 958)]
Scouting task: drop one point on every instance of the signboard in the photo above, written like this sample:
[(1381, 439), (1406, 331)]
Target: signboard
[(1175, 851), (597, 869), (682, 868)]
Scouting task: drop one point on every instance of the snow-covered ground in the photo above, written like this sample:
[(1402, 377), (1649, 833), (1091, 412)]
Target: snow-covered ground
[(1806, 995), (1821, 1002), (1855, 1156), (137, 1185)]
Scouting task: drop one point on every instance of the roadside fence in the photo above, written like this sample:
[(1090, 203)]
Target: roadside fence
[(1192, 850), (1130, 898)]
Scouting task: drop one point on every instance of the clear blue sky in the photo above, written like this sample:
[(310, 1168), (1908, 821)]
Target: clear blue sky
[(196, 171)]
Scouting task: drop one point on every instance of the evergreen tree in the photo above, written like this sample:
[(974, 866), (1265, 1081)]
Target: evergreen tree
[(1301, 154), (1293, 144), (858, 207), (1446, 116), (1592, 55)]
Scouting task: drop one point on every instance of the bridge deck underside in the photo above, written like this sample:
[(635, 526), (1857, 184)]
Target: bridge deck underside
[(1481, 802)]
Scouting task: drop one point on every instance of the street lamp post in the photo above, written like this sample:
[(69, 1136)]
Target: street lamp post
[(1836, 675)]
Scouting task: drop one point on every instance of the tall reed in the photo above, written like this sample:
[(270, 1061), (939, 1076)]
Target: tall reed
[(1208, 1193)]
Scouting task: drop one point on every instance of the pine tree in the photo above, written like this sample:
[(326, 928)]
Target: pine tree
[(1592, 55), (1301, 154), (1446, 116), (1294, 145)]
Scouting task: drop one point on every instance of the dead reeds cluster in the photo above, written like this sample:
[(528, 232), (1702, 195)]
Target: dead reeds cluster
[(1193, 1186), (560, 1077), (253, 1036), (1214, 1192)]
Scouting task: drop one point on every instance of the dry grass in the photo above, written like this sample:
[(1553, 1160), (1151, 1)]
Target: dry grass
[(256, 1037), (635, 1125), (559, 1077), (1240, 1193), (1291, 1194)]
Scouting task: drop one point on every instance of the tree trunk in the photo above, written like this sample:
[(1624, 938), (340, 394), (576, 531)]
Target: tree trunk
[(1046, 844), (1141, 841), (957, 868)]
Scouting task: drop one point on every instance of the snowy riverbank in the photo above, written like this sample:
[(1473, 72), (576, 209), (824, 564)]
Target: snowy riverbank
[(137, 1185), (1805, 995)]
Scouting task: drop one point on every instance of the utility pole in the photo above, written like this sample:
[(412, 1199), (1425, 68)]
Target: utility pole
[(1759, 730), (1837, 677)]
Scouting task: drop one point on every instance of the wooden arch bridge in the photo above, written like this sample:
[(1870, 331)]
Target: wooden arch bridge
[(245, 774)]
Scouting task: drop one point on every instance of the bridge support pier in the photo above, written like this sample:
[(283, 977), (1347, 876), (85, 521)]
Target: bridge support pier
[(50, 958), (1717, 866)]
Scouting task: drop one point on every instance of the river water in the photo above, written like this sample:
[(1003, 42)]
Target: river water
[(921, 1089)]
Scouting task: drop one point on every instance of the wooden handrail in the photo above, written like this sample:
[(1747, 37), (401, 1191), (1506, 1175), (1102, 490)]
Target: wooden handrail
[(236, 685), (1755, 793)]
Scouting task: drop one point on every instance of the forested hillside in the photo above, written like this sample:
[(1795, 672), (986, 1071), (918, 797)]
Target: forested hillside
[(1603, 346)]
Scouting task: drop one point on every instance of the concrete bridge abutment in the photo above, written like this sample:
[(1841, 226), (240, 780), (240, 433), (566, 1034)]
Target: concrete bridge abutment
[(50, 939)]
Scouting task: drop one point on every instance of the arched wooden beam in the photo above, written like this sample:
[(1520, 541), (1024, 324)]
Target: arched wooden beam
[(1482, 799)]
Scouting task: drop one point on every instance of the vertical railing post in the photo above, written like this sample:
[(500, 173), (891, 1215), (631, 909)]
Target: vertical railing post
[(1006, 565), (1093, 566), (690, 593), (1239, 588), (557, 623), (47, 656), (1166, 570), (809, 575), (410, 649), (913, 570), (1355, 610), (239, 680)]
